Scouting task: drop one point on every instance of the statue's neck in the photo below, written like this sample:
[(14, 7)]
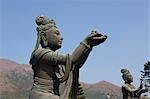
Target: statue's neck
[(50, 48), (127, 83)]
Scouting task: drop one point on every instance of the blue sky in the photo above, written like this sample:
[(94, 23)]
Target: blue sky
[(125, 22)]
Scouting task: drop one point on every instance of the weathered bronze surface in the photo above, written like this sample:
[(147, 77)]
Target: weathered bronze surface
[(129, 90), (56, 74)]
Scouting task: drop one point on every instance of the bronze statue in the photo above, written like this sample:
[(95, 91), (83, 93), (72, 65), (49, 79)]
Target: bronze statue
[(129, 90), (53, 69)]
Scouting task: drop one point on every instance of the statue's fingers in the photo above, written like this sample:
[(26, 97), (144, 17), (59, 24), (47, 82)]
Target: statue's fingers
[(100, 37)]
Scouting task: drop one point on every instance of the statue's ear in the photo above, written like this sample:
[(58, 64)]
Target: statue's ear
[(126, 79), (44, 40)]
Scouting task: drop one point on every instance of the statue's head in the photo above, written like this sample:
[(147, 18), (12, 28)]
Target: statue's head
[(147, 66), (49, 34), (126, 75)]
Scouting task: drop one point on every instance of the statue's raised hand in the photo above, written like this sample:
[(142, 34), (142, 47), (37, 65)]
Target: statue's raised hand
[(95, 39)]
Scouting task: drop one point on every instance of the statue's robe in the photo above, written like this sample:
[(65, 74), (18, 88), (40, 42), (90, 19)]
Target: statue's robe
[(53, 70), (130, 92)]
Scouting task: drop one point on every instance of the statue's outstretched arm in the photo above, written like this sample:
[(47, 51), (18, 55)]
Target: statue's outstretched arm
[(47, 56), (129, 89), (78, 57), (81, 53)]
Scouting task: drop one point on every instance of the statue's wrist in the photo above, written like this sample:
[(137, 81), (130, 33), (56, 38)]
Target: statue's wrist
[(86, 45)]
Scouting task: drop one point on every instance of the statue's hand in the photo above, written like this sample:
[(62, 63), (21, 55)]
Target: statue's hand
[(95, 38)]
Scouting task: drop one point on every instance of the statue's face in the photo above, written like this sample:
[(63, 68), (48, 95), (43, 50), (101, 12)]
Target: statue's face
[(54, 38), (129, 78)]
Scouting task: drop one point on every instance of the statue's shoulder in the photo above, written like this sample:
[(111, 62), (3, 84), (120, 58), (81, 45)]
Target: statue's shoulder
[(125, 86), (128, 87), (40, 51), (37, 54)]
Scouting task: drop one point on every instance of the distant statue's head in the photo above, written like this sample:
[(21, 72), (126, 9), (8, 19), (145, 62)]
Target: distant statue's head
[(126, 75), (147, 66), (49, 34)]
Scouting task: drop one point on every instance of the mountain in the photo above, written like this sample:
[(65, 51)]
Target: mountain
[(102, 89), (16, 81)]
